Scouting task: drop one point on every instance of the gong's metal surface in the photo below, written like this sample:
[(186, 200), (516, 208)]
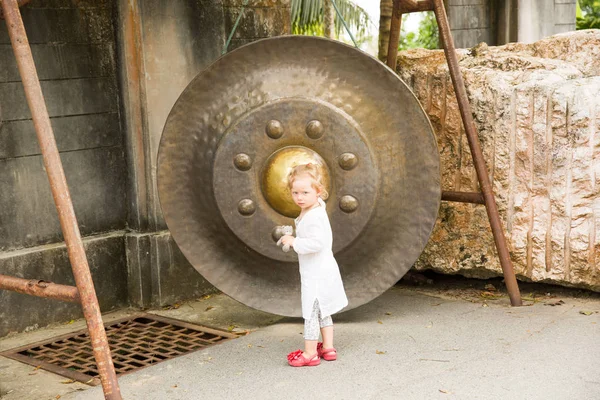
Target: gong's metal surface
[(240, 125)]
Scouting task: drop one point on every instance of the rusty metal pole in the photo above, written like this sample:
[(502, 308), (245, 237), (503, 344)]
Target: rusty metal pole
[(39, 288), (402, 7), (395, 26), (463, 197), (482, 173), (62, 198)]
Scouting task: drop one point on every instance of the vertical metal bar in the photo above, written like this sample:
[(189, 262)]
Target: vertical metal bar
[(395, 25), (62, 198), (480, 168)]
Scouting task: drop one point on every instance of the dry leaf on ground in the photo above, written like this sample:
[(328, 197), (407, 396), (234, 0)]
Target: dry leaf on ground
[(585, 312)]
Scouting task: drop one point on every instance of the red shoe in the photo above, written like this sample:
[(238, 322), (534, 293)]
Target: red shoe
[(296, 359), (327, 354)]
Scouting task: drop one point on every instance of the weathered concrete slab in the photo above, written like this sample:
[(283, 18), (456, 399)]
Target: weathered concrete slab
[(469, 16), (65, 25), (63, 98), (158, 273), (106, 257), (77, 132), (258, 22), (97, 186), (61, 61), (73, 46)]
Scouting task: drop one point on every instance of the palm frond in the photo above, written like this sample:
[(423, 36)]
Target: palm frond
[(307, 18)]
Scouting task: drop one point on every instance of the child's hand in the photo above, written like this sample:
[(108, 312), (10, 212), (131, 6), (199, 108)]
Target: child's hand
[(287, 240)]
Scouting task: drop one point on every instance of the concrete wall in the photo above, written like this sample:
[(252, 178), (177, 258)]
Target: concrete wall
[(110, 71), (77, 69), (541, 18), (471, 21), (160, 60), (498, 22)]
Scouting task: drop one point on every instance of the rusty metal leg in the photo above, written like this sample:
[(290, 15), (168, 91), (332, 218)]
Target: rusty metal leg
[(62, 198), (480, 168), (395, 26)]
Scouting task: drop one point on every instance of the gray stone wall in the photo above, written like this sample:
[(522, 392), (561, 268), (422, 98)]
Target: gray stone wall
[(471, 21), (106, 256), (498, 22), (564, 11), (261, 19), (541, 18), (74, 51), (77, 70), (110, 71), (159, 61)]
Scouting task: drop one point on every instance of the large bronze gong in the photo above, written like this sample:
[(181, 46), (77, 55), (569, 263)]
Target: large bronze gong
[(243, 122)]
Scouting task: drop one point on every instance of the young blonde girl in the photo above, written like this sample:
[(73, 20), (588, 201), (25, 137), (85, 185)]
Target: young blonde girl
[(321, 284)]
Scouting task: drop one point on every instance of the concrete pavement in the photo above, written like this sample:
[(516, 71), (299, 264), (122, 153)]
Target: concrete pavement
[(410, 343)]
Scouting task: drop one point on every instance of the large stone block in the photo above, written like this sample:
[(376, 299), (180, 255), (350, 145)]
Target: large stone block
[(537, 111)]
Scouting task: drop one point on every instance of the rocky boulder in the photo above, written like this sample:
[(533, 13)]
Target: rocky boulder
[(537, 110)]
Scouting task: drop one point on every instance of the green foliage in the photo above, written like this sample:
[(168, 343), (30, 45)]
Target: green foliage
[(307, 18), (427, 36), (588, 14)]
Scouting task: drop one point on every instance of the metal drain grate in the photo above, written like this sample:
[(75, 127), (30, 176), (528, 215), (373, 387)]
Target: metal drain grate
[(135, 342)]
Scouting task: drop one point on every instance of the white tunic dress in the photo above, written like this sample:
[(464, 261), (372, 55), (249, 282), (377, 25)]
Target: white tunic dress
[(319, 272)]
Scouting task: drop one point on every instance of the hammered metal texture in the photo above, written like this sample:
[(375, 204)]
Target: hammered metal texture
[(230, 184), (396, 180)]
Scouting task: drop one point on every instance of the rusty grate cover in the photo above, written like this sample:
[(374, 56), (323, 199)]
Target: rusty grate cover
[(135, 342)]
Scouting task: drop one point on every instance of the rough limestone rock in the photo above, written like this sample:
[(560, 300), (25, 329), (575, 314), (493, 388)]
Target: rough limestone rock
[(537, 111)]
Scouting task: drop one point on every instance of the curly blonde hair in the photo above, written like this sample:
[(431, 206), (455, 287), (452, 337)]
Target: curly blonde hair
[(314, 172)]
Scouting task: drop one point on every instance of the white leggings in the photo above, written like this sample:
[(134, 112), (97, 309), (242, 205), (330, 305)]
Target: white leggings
[(316, 321)]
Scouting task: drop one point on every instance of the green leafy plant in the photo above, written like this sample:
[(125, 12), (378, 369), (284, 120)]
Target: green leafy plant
[(588, 14), (307, 18), (426, 37)]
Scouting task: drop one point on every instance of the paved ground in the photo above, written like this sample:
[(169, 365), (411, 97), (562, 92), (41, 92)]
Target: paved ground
[(441, 341)]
